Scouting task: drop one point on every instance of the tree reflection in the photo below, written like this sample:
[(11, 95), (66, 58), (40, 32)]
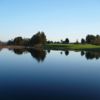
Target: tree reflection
[(39, 54), (0, 49), (92, 54), (48, 51), (18, 51), (66, 52), (61, 52), (82, 53)]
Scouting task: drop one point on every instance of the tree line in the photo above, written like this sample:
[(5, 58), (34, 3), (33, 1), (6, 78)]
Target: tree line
[(40, 38), (90, 39)]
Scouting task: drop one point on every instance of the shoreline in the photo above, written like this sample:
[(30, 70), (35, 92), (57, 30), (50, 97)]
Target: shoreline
[(72, 47), (55, 47), (13, 47)]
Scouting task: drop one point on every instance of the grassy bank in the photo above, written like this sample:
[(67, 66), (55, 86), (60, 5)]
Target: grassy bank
[(57, 47), (72, 47)]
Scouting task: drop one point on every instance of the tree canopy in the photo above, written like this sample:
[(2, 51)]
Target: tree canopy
[(67, 40), (38, 38), (91, 39)]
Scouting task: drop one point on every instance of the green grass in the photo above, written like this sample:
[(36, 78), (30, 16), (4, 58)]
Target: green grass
[(72, 47)]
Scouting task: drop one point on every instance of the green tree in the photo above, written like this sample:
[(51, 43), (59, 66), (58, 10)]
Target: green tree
[(18, 41), (67, 40), (10, 42), (43, 38), (38, 38), (82, 41), (90, 39)]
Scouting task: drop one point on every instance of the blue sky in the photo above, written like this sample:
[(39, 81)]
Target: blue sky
[(57, 18)]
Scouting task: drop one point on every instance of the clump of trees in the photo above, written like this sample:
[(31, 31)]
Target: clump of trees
[(19, 41), (66, 41), (91, 39), (83, 41), (38, 38)]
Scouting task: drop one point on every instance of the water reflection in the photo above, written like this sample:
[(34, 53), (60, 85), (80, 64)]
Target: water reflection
[(39, 54), (0, 49), (58, 77), (48, 51), (92, 54), (82, 53), (89, 55), (18, 51), (66, 52), (61, 52)]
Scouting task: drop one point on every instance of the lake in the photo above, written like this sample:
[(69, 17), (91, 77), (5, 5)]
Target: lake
[(49, 75)]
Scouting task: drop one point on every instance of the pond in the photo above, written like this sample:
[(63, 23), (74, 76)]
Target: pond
[(49, 75)]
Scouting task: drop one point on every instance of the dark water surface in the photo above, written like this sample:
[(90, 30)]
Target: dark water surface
[(49, 75)]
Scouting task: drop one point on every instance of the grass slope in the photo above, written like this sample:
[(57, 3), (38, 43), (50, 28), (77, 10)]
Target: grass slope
[(72, 47)]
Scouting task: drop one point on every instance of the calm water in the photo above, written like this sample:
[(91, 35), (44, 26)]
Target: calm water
[(49, 75)]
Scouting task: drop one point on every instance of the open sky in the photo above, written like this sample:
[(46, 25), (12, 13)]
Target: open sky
[(57, 18)]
